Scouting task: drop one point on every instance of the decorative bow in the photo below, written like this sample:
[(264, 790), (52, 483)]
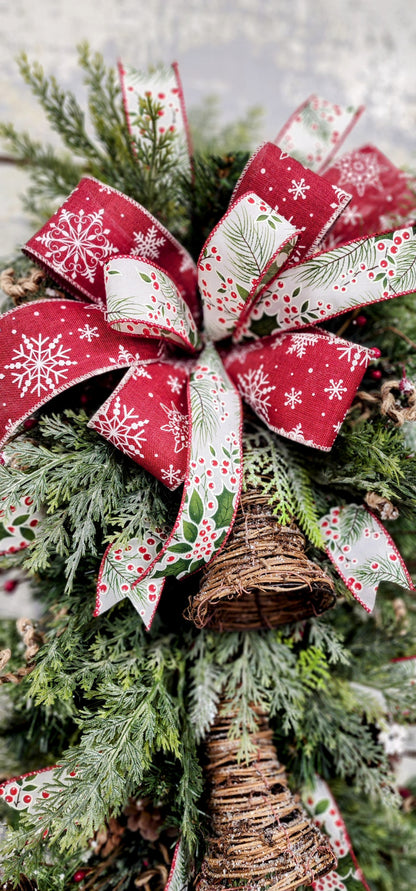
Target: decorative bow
[(263, 287)]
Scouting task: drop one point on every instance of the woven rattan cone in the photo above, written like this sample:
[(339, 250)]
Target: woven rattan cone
[(260, 836), (262, 577)]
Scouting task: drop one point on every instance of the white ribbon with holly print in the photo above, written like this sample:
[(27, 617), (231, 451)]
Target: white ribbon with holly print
[(356, 274), (18, 524), (323, 809), (29, 792), (363, 552), (244, 251), (163, 87), (143, 300), (209, 502), (316, 130)]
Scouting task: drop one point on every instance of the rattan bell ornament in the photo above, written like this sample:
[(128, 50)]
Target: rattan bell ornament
[(260, 836), (262, 578)]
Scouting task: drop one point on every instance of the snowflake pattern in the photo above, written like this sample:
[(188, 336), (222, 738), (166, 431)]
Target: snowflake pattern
[(360, 171), (140, 371), (87, 333), (299, 343), (148, 244), (254, 387), (299, 189), (124, 428), (40, 364), (174, 383), (77, 243), (293, 398), (297, 431), (178, 425), (171, 477), (335, 389), (353, 353), (352, 215), (124, 357)]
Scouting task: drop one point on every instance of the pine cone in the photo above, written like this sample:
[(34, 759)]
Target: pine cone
[(381, 506), (107, 839), (144, 817)]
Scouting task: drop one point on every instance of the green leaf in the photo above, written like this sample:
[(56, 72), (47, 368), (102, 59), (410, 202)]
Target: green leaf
[(223, 514), (190, 531), (296, 292), (179, 566), (4, 533), (182, 547), (196, 508), (146, 278), (242, 291), (322, 806), (113, 272), (28, 533), (264, 326), (17, 521)]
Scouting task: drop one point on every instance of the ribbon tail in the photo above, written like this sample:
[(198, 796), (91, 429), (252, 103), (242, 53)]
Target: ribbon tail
[(119, 570), (209, 502), (324, 811), (363, 552)]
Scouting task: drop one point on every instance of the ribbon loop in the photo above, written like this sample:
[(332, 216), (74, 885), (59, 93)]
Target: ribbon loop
[(96, 222), (163, 86), (50, 345), (146, 417), (245, 250), (143, 300), (368, 175), (316, 130), (307, 200), (300, 384), (355, 274)]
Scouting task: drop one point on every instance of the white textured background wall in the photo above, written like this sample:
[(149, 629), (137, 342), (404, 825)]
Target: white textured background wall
[(272, 52)]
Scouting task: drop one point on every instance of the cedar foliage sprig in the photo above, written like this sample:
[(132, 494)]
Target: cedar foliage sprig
[(72, 473), (282, 474), (109, 152)]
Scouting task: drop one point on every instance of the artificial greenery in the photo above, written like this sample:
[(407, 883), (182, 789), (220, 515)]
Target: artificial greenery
[(128, 710)]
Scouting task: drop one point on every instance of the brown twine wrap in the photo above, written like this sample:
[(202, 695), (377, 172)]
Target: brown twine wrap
[(387, 400), (23, 287), (32, 640), (262, 577), (260, 836)]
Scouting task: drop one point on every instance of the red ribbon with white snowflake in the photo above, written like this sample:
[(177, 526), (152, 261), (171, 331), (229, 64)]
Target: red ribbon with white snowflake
[(258, 276)]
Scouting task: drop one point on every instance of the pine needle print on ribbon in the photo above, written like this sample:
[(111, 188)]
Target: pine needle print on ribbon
[(363, 552)]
